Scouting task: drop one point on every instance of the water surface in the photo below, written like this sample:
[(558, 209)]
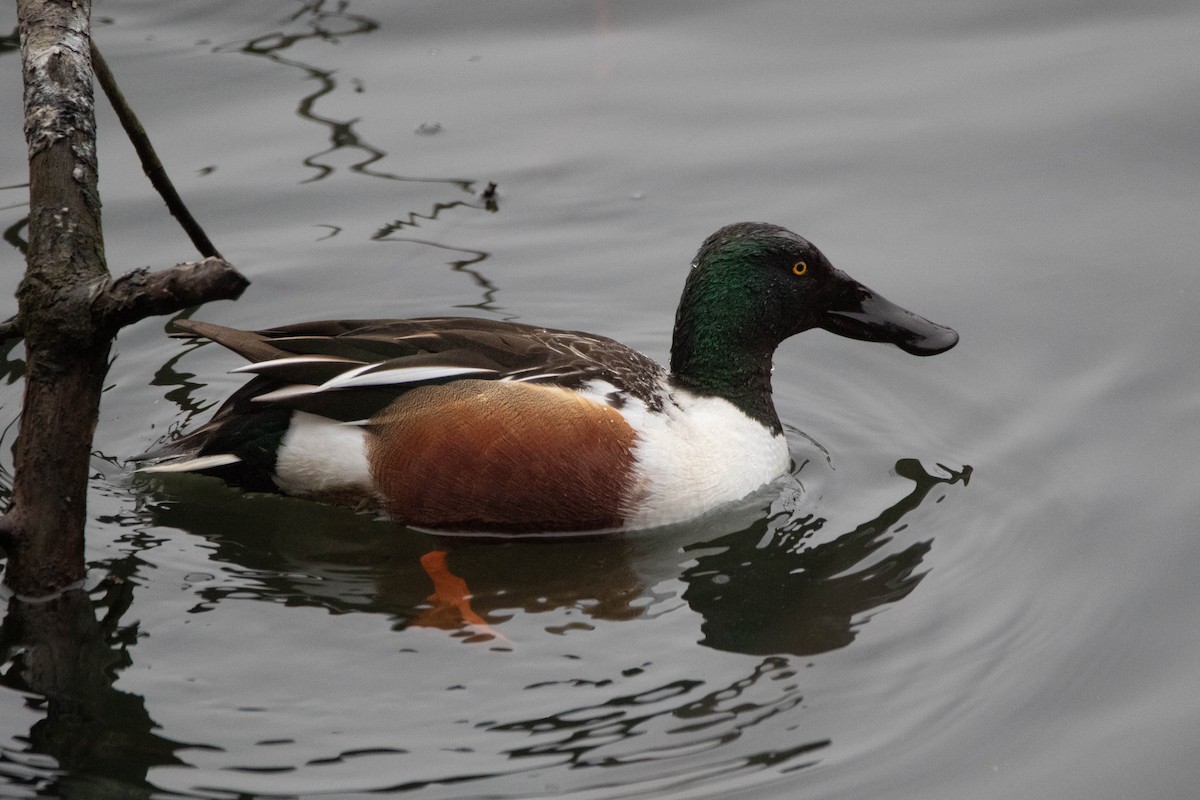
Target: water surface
[(977, 582)]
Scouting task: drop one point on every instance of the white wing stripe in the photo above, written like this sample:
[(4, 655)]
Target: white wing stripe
[(388, 377), (539, 376), (263, 366), (358, 379), (191, 465), (286, 393)]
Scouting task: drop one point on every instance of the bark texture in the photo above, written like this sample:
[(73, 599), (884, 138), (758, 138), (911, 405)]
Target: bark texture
[(69, 308), (66, 356)]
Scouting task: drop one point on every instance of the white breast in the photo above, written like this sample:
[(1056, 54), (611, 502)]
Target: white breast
[(697, 454)]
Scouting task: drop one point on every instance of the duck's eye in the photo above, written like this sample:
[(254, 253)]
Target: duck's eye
[(799, 268)]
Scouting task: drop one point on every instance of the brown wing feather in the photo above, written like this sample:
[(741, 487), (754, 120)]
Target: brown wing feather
[(509, 349), (250, 345)]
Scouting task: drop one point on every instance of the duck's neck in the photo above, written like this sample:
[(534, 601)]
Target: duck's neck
[(715, 352)]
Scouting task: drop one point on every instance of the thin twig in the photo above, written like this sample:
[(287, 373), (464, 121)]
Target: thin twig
[(150, 163)]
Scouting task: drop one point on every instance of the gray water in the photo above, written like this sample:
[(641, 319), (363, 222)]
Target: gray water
[(980, 580)]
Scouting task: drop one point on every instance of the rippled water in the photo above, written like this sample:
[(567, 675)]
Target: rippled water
[(979, 580)]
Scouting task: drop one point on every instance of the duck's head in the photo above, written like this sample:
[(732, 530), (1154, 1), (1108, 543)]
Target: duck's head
[(753, 285)]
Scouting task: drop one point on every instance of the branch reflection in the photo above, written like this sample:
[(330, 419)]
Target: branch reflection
[(329, 25), (102, 741), (332, 23)]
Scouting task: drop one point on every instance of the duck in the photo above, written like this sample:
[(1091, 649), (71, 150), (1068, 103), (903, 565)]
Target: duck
[(475, 425)]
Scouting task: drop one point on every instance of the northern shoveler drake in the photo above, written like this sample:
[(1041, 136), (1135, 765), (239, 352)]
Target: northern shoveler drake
[(459, 424)]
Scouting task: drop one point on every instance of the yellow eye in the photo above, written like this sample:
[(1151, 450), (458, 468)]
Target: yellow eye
[(799, 268)]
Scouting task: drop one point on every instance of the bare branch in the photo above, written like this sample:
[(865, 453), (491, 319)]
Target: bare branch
[(141, 293), (150, 164)]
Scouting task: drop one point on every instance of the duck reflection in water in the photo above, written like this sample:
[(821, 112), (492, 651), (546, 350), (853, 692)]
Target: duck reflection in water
[(766, 590), (778, 584)]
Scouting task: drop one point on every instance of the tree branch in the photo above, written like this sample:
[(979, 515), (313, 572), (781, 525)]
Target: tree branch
[(141, 293), (150, 164), (70, 308)]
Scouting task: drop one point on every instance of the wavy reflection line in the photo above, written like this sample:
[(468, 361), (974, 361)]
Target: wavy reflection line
[(181, 393), (12, 233), (415, 218), (323, 25), (332, 24), (464, 265), (721, 715), (6, 474)]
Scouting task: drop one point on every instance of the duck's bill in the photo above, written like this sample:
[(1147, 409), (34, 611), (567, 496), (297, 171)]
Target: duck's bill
[(856, 312)]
